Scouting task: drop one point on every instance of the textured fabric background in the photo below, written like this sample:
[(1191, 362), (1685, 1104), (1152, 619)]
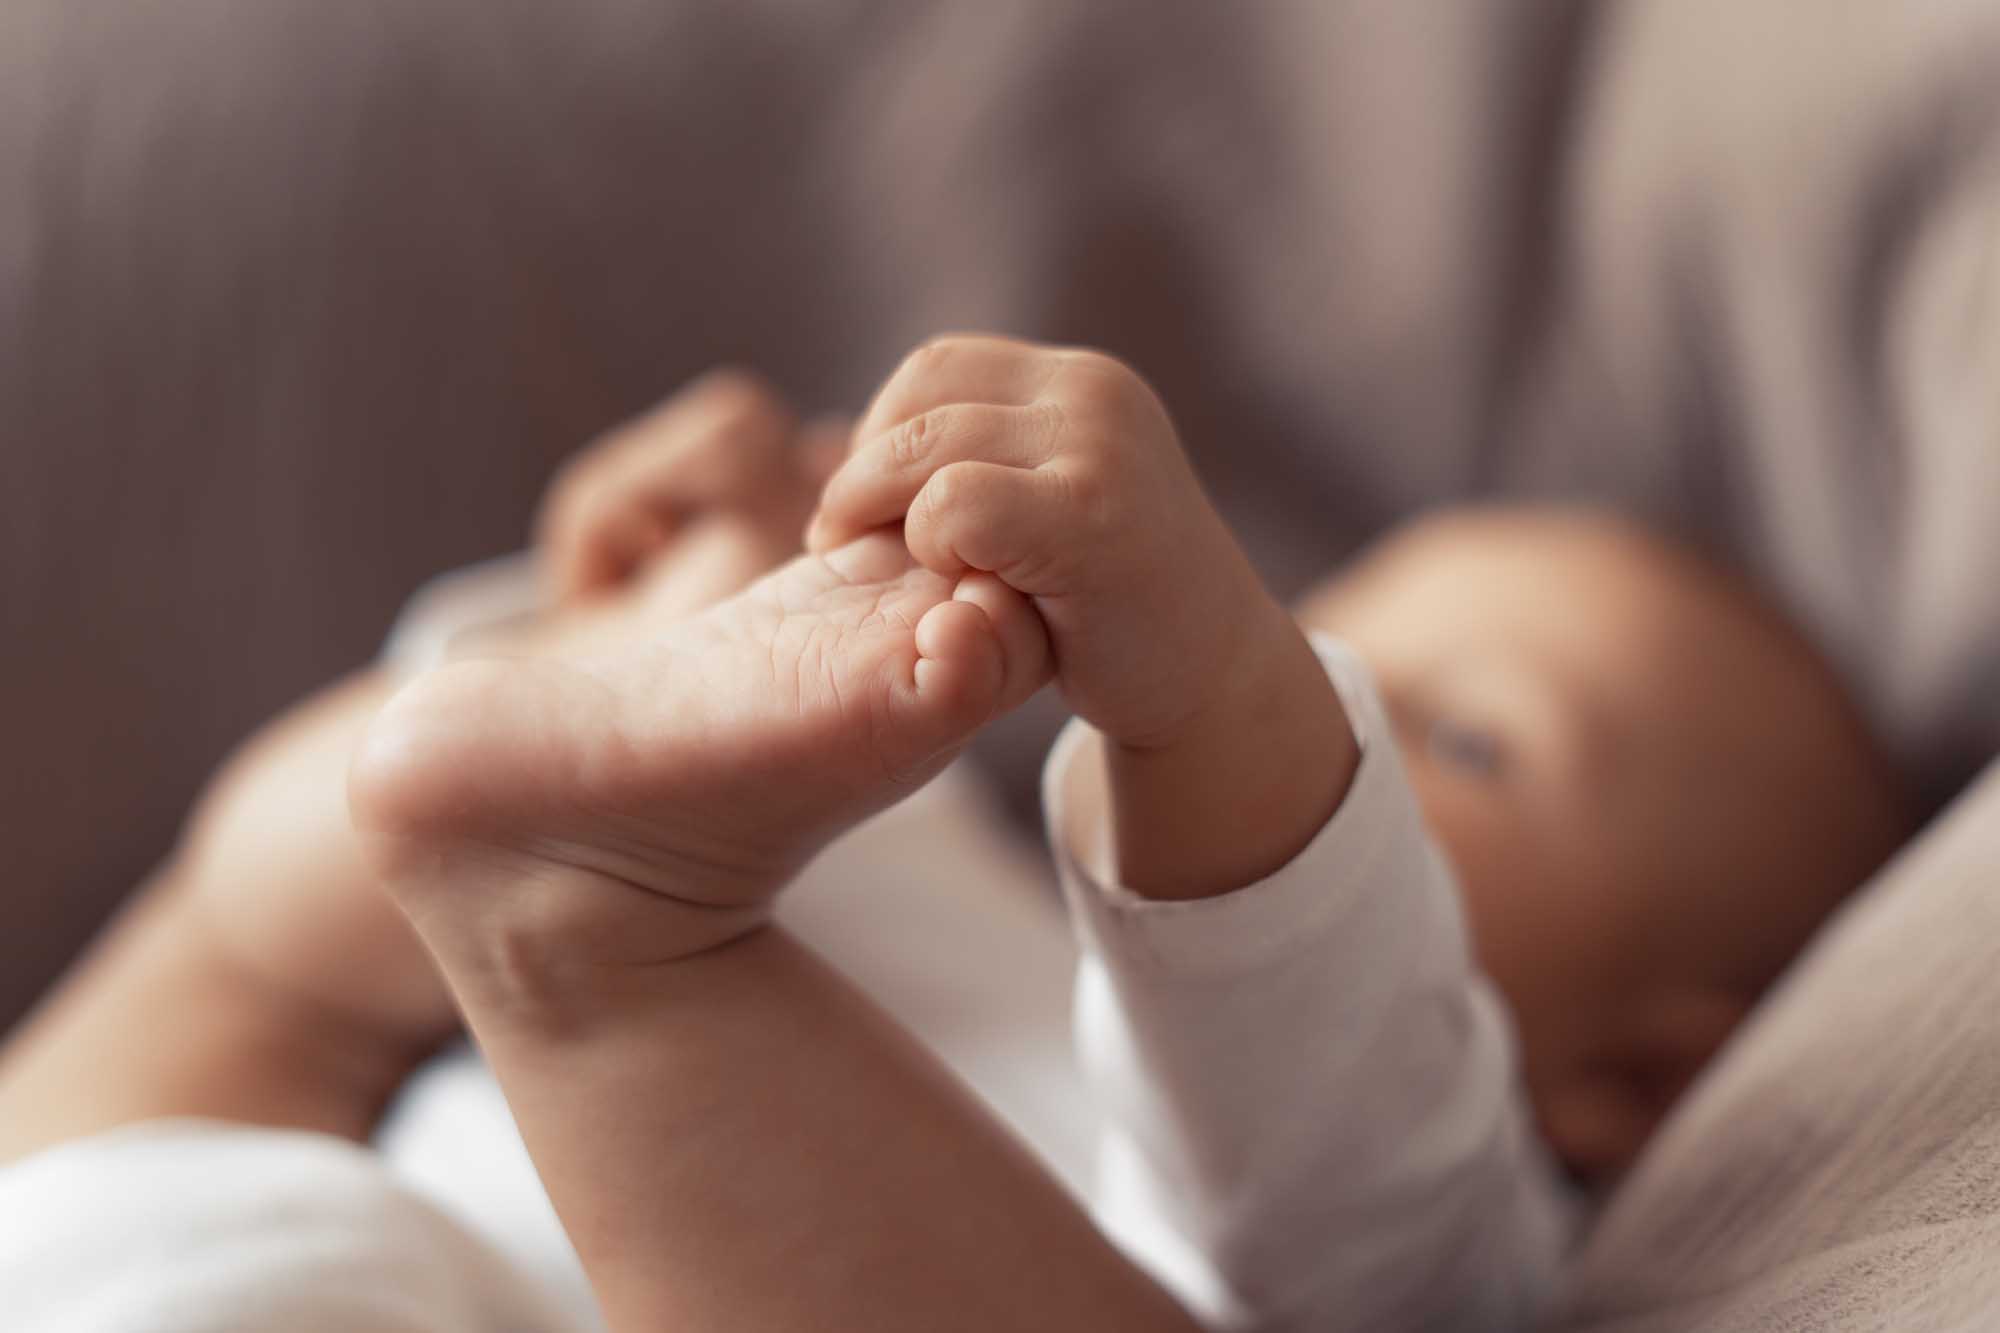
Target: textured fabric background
[(300, 303)]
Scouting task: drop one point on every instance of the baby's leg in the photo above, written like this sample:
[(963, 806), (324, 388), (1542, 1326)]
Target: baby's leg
[(747, 1143), (658, 786), (732, 1135)]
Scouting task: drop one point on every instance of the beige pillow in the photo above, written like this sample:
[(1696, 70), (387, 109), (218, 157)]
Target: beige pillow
[(1840, 1166)]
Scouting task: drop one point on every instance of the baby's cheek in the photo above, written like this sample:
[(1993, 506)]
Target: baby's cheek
[(1516, 931)]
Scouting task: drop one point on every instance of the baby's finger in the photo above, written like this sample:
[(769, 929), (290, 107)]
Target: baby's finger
[(960, 369), (708, 447), (1006, 520), (611, 541), (823, 446), (877, 484)]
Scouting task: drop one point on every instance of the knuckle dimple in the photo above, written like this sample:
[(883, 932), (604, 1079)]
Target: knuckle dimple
[(910, 442), (1049, 422), (1081, 493)]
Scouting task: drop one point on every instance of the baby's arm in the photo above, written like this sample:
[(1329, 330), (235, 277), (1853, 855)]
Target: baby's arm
[(1311, 1091), (743, 1141), (1223, 744)]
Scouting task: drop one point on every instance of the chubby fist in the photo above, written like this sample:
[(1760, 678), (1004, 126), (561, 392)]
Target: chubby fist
[(1057, 470)]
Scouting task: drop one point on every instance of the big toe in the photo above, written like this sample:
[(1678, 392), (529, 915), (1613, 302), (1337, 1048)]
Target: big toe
[(1026, 661), (959, 679), (980, 653)]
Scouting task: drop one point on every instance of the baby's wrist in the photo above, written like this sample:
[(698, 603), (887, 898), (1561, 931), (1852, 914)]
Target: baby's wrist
[(1244, 784)]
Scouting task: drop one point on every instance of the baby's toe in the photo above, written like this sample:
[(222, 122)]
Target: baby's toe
[(954, 687), (1023, 638), (961, 663)]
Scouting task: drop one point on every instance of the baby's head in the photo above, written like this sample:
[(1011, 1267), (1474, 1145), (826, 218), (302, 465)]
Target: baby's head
[(1651, 787)]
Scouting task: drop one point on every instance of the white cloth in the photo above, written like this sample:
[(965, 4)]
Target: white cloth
[(1313, 1118), (194, 1227)]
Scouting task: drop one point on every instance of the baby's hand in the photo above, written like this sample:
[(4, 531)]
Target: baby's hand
[(725, 447), (1058, 471)]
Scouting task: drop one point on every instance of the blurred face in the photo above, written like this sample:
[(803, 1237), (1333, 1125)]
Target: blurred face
[(1651, 789)]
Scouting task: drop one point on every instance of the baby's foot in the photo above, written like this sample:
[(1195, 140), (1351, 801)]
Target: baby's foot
[(540, 819)]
